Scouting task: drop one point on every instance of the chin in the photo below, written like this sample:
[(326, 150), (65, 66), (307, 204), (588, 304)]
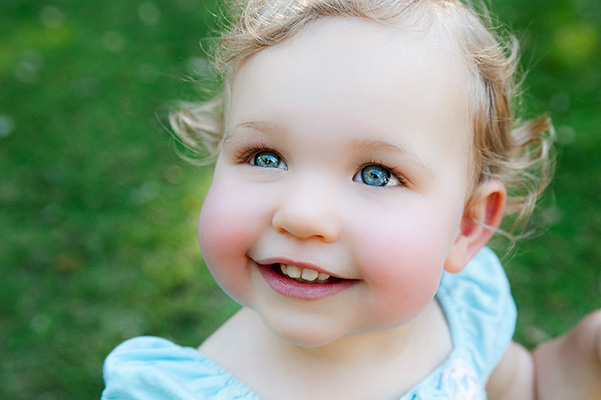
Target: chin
[(304, 336), (307, 342)]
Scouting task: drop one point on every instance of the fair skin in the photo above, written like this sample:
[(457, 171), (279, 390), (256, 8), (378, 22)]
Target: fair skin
[(352, 169)]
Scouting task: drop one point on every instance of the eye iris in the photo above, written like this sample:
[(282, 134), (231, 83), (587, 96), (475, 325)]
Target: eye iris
[(267, 160), (375, 176)]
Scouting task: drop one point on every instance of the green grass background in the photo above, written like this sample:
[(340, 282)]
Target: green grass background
[(98, 213)]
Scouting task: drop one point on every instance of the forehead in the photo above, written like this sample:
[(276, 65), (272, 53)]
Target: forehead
[(355, 57)]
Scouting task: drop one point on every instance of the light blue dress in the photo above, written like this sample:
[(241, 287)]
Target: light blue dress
[(477, 303)]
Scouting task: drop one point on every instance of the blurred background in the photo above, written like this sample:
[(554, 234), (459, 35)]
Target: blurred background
[(98, 212)]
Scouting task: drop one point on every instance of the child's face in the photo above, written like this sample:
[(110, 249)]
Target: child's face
[(346, 154)]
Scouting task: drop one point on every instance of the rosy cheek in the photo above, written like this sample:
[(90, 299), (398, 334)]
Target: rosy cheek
[(400, 264), (225, 216), (214, 225), (224, 240)]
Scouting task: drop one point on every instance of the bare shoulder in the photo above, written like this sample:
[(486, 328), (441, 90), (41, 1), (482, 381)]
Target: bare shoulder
[(514, 376), (570, 366)]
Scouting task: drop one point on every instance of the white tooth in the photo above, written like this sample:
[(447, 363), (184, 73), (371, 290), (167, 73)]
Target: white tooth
[(293, 271), (283, 268), (309, 274), (322, 276)]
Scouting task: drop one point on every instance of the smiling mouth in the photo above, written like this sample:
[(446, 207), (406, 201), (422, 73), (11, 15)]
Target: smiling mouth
[(303, 275), (302, 283)]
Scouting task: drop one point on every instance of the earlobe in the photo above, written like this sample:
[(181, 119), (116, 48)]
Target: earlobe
[(482, 215)]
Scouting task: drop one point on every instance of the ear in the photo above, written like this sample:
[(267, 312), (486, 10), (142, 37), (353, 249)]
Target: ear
[(483, 212)]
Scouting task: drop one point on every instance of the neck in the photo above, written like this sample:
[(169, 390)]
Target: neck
[(394, 360), (379, 365)]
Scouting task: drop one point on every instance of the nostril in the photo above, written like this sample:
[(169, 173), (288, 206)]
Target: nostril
[(305, 225)]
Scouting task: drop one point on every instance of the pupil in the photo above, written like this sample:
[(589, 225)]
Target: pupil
[(267, 160), (375, 176)]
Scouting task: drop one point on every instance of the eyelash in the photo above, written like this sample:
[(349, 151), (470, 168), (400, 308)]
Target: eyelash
[(245, 155), (394, 172)]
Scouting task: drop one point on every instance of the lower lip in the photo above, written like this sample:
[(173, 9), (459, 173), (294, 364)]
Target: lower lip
[(303, 291)]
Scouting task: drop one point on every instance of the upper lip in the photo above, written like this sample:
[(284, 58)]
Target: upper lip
[(302, 265)]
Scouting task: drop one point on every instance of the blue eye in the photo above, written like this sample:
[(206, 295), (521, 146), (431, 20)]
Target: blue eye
[(268, 159), (376, 175)]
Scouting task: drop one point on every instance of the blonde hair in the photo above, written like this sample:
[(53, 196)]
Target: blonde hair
[(516, 153)]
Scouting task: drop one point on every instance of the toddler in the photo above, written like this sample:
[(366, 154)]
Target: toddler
[(366, 152)]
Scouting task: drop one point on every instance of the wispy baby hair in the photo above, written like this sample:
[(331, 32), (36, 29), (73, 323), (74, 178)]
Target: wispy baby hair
[(516, 153)]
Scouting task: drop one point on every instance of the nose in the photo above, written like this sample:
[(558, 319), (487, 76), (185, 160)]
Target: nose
[(308, 210)]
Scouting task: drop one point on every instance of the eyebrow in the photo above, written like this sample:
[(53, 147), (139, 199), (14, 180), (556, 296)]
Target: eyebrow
[(384, 146), (269, 128), (272, 129)]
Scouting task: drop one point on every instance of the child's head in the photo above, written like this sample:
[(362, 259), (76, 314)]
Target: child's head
[(358, 143)]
